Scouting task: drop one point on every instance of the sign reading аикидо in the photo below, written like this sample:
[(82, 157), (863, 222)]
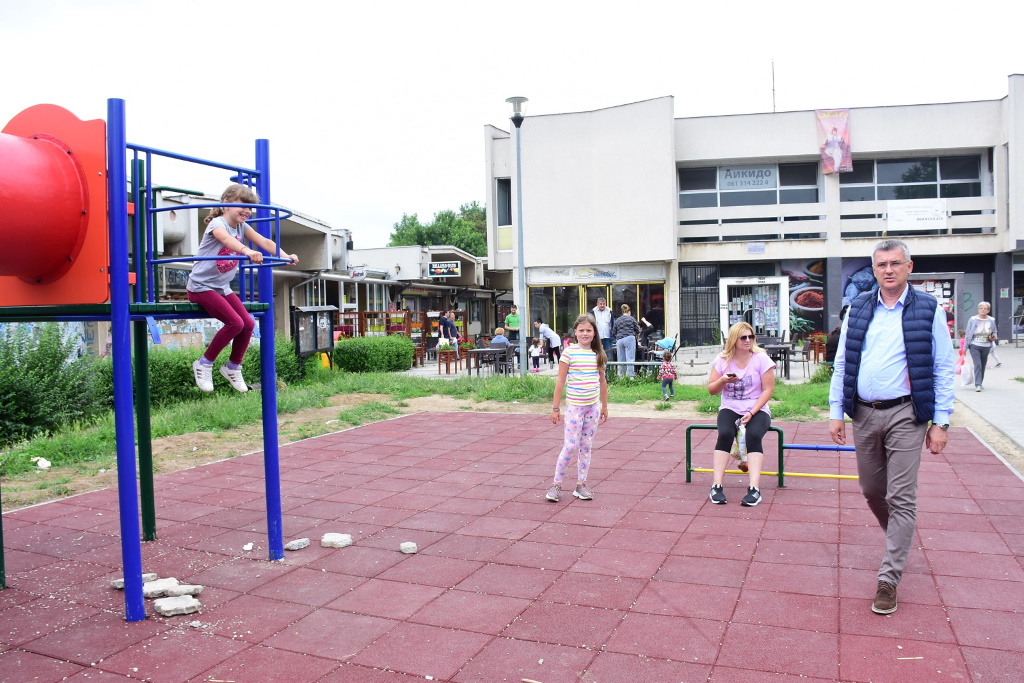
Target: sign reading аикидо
[(445, 268)]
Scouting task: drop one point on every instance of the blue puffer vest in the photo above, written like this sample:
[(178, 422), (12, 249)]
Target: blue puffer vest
[(918, 315)]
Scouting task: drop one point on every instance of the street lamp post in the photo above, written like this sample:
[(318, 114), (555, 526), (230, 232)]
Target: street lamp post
[(517, 109)]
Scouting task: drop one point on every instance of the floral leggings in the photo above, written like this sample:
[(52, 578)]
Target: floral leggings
[(580, 428)]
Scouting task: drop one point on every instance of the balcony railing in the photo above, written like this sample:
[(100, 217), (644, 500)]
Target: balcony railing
[(965, 215)]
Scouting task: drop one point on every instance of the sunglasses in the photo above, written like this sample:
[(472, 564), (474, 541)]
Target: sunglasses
[(746, 337)]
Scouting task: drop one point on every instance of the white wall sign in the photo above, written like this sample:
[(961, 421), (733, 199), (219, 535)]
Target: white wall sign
[(917, 214), (746, 177)]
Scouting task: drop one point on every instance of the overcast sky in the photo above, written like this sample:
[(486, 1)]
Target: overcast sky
[(375, 109)]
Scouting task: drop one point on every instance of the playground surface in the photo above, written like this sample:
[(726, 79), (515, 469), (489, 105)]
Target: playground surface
[(648, 581)]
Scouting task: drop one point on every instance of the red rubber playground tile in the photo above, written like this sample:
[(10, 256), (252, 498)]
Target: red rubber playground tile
[(649, 581)]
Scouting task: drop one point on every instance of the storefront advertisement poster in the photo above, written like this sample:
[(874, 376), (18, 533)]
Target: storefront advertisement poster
[(806, 294), (857, 277)]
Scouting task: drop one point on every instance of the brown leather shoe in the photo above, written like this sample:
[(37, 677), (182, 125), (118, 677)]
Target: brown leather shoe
[(885, 599)]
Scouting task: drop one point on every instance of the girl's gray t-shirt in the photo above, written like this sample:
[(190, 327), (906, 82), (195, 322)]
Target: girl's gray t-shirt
[(214, 274)]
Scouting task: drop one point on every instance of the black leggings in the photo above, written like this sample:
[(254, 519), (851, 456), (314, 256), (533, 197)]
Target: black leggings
[(554, 354), (756, 429)]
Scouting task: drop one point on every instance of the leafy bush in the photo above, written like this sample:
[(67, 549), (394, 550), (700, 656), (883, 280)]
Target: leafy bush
[(170, 371), (823, 375), (43, 385), (290, 368), (374, 354)]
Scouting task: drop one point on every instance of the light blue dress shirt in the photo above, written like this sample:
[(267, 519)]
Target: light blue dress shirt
[(883, 363)]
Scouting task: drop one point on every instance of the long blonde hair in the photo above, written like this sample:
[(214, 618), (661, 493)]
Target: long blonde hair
[(595, 344), (735, 332), (235, 194)]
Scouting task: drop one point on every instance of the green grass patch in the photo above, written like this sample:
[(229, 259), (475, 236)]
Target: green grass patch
[(87, 448), (367, 412)]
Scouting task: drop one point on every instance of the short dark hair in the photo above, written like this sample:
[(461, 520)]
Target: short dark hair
[(538, 320)]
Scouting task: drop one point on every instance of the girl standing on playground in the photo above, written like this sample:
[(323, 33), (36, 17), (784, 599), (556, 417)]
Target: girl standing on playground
[(745, 377), (581, 374), (209, 284)]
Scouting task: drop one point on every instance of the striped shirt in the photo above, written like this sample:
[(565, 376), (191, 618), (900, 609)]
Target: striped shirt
[(582, 384)]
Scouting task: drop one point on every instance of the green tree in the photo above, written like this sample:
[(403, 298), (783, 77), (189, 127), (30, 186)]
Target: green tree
[(466, 230)]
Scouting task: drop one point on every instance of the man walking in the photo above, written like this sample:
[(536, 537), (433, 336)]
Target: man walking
[(603, 316), (893, 373)]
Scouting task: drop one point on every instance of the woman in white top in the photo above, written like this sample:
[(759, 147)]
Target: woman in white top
[(981, 337)]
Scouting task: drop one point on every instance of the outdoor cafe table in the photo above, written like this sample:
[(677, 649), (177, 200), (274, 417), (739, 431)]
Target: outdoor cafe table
[(780, 352), (477, 356)]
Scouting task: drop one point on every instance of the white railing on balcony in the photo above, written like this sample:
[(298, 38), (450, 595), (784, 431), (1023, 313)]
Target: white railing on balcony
[(868, 218)]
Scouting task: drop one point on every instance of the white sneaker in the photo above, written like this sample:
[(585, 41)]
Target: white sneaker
[(235, 377), (977, 388), (204, 375)]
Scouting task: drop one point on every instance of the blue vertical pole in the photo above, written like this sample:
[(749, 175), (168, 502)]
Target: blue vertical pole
[(121, 353), (268, 373)]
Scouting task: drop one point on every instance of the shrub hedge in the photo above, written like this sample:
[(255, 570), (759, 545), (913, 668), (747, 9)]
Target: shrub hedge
[(170, 371), (43, 384), (374, 354)]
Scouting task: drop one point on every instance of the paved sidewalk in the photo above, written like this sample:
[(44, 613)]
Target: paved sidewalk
[(999, 403), (647, 582)]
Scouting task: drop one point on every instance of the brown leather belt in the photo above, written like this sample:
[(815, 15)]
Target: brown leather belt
[(882, 405)]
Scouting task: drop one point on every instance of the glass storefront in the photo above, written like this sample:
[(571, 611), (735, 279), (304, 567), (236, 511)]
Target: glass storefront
[(559, 305)]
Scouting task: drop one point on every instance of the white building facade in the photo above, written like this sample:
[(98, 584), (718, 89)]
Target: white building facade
[(732, 218)]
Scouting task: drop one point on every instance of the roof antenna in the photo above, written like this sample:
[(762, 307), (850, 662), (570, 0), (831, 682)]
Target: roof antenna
[(773, 85)]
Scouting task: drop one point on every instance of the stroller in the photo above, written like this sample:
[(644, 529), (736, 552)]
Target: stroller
[(662, 345)]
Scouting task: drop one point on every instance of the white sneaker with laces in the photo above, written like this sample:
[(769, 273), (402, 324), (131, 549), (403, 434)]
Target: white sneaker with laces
[(204, 375), (235, 377)]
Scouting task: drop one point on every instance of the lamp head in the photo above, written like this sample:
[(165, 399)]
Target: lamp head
[(517, 109)]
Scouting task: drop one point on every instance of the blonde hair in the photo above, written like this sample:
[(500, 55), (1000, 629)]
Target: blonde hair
[(235, 194), (625, 309), (735, 332), (595, 343), (499, 330)]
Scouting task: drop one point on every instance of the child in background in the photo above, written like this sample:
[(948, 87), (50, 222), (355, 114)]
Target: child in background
[(964, 362), (209, 284), (536, 353), (958, 366), (993, 356), (667, 375), (581, 374)]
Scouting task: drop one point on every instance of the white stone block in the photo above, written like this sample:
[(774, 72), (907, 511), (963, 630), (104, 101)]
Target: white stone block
[(336, 540), (408, 548), (154, 589), (119, 583), (183, 589), (182, 604), (297, 544)]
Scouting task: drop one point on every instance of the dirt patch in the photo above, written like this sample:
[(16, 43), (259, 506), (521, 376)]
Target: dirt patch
[(174, 453)]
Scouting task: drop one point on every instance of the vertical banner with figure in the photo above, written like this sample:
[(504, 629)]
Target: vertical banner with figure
[(834, 140)]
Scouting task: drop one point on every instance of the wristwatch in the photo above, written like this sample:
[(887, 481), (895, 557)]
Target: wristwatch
[(944, 427)]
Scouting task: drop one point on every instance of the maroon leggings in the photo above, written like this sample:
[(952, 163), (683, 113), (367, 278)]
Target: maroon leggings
[(238, 324)]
